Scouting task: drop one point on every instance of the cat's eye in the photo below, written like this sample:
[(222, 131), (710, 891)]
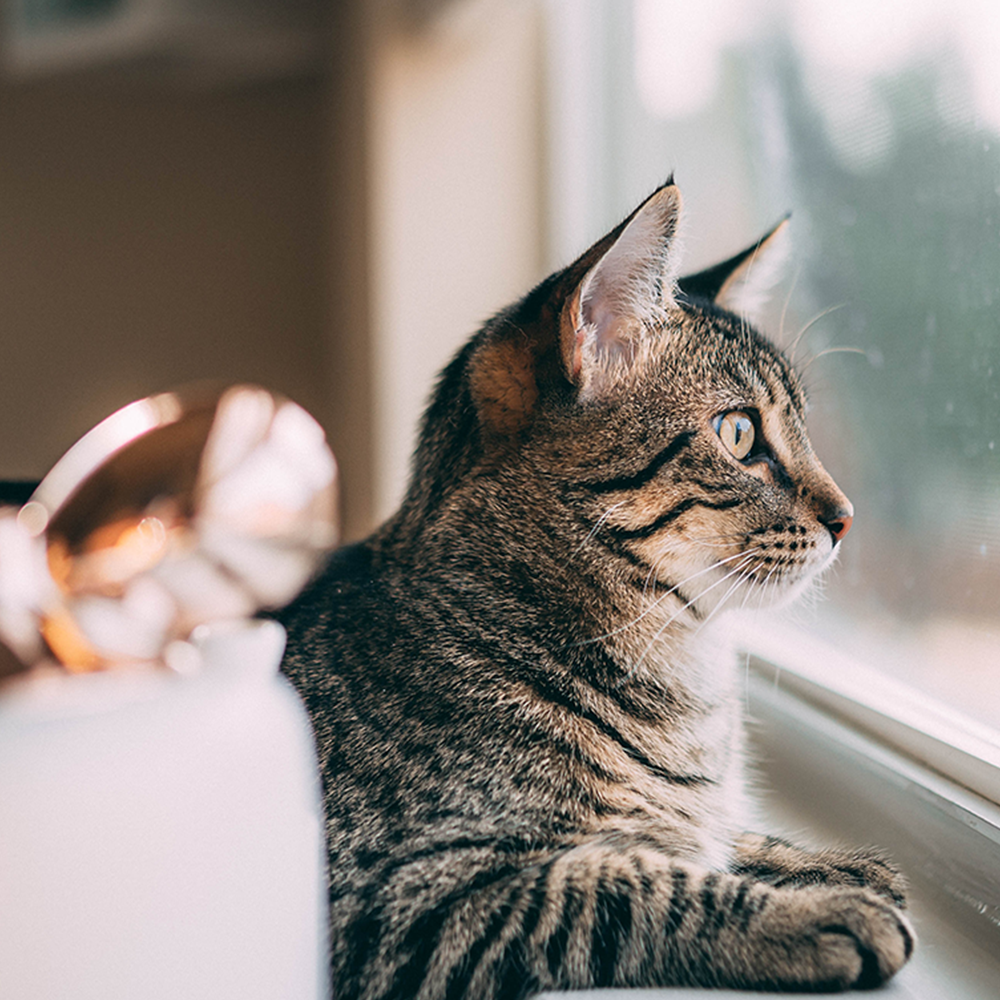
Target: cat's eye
[(737, 432)]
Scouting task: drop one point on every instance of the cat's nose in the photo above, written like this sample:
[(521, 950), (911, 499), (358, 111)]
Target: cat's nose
[(838, 522)]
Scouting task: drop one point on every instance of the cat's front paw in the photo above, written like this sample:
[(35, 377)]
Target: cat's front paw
[(783, 865), (835, 939)]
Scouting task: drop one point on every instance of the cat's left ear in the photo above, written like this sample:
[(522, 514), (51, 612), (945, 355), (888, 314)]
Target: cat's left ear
[(743, 283), (607, 318)]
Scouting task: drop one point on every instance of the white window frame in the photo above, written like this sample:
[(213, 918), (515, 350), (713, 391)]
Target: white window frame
[(885, 709)]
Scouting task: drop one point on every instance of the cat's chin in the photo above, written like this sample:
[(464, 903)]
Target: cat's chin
[(775, 600), (752, 593)]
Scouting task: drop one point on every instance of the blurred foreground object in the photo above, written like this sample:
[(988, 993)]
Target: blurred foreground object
[(161, 830), (161, 836), (181, 509)]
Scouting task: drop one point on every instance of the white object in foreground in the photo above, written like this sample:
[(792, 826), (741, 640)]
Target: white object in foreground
[(161, 835)]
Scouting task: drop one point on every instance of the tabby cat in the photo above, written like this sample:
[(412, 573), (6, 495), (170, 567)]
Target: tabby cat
[(529, 731)]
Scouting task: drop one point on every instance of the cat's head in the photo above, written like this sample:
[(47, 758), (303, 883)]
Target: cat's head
[(648, 419)]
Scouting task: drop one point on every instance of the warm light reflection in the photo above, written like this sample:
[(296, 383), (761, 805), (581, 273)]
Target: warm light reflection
[(117, 552), (33, 518), (25, 586), (94, 448), (134, 577), (67, 643)]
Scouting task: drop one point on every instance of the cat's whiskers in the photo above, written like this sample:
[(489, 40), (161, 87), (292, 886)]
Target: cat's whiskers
[(759, 593), (655, 603), (731, 536), (597, 525), (662, 558), (653, 572), (784, 308), (762, 596), (659, 632), (833, 350), (743, 313), (739, 570), (676, 588), (740, 580), (771, 572), (749, 593), (814, 592), (719, 544), (821, 315)]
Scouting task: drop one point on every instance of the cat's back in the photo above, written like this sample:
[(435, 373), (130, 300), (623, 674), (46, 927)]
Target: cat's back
[(363, 653), (417, 715)]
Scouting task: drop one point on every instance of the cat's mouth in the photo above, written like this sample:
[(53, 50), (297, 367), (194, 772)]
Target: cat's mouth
[(783, 550), (768, 566)]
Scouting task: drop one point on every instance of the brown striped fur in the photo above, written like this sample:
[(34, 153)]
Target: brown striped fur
[(528, 723)]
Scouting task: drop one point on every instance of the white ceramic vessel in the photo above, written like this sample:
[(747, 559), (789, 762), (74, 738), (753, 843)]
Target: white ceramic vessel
[(161, 833)]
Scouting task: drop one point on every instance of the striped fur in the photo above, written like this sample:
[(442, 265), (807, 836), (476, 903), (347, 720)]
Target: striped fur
[(528, 724)]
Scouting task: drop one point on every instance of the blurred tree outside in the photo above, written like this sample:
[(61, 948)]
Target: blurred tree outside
[(897, 203)]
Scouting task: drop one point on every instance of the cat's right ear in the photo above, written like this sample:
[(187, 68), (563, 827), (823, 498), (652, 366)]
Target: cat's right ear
[(606, 321)]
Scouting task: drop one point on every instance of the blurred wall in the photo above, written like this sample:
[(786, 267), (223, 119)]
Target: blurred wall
[(456, 194), (151, 236)]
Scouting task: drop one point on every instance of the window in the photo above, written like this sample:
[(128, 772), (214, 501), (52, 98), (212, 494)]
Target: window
[(878, 126)]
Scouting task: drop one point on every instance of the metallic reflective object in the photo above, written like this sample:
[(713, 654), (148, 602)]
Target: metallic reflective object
[(181, 509)]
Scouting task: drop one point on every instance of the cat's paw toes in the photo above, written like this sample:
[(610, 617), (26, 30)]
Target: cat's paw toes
[(865, 956), (847, 939), (865, 868), (879, 874)]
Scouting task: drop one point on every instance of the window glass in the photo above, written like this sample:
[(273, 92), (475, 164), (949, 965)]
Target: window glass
[(878, 126)]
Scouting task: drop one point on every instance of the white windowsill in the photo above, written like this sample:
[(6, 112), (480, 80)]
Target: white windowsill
[(830, 783)]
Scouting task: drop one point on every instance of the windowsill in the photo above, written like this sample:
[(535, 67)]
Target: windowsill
[(826, 782), (919, 725)]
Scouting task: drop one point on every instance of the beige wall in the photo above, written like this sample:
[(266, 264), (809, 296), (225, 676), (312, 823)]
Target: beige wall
[(456, 201), (334, 238), (149, 237)]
